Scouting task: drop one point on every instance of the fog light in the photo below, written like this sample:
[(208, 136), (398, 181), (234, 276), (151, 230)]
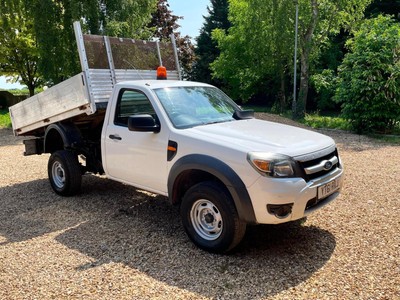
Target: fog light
[(280, 210)]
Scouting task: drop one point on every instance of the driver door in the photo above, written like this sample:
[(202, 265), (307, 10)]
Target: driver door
[(137, 158)]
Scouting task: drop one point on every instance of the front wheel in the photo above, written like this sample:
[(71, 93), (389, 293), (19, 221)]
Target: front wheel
[(210, 218), (64, 173)]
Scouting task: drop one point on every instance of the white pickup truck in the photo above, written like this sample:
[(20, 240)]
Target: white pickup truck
[(185, 140)]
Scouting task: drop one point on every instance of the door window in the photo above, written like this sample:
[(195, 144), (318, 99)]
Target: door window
[(131, 102)]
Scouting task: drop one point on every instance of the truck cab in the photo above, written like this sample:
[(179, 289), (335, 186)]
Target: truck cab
[(190, 142)]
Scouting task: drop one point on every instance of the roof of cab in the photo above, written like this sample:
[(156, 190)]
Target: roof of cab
[(156, 84)]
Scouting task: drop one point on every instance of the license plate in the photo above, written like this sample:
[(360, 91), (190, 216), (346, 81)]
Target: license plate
[(328, 188)]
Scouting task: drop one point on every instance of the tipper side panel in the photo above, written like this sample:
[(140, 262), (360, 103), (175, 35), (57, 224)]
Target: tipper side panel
[(65, 100)]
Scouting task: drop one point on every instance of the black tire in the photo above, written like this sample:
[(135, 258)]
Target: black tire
[(65, 173), (210, 218)]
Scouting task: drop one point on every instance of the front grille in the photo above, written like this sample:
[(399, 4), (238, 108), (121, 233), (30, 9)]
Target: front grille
[(312, 169)]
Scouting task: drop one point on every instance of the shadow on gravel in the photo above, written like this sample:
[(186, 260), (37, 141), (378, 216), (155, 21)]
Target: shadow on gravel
[(114, 223), (7, 137), (31, 209)]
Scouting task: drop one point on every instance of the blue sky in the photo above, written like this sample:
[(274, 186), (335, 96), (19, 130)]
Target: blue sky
[(5, 85), (191, 11)]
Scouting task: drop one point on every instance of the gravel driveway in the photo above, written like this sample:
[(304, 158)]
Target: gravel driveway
[(115, 242)]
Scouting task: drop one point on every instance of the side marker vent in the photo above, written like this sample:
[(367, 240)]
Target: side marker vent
[(172, 149)]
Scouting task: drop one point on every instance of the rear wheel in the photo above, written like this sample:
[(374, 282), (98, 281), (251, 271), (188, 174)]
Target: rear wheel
[(65, 173), (210, 218)]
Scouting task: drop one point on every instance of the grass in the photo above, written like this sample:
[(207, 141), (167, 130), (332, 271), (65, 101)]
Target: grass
[(5, 121), (330, 122), (393, 139), (314, 120), (20, 92), (336, 122)]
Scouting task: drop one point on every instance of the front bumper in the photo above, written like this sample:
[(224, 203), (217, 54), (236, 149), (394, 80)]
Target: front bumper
[(296, 193)]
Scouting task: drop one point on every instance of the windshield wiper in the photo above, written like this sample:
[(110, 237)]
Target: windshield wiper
[(217, 121)]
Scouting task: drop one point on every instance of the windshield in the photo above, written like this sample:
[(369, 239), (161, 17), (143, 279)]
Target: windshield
[(192, 106)]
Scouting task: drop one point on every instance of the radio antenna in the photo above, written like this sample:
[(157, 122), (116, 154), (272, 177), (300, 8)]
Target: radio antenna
[(133, 67)]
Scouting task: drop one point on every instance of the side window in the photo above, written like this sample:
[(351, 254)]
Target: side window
[(131, 103)]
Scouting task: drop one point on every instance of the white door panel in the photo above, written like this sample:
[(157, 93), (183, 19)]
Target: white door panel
[(138, 158)]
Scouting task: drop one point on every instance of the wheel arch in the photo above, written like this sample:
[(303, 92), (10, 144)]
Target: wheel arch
[(192, 169), (60, 136)]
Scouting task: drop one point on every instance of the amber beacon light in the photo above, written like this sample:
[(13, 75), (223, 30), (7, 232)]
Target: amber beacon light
[(161, 72)]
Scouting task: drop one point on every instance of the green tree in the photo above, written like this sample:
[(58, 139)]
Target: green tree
[(369, 78), (206, 50), (320, 19), (163, 24), (324, 70), (256, 52), (388, 7), (163, 21), (324, 73), (186, 54), (56, 42), (126, 18), (19, 56), (53, 21)]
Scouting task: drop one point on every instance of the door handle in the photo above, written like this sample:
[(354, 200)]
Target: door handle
[(115, 137)]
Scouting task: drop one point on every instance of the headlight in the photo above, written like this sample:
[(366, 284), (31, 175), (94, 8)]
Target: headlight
[(274, 165)]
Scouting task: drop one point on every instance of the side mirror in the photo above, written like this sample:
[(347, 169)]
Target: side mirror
[(243, 114), (143, 123)]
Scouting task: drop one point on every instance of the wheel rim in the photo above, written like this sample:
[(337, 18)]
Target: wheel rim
[(206, 219), (58, 173)]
